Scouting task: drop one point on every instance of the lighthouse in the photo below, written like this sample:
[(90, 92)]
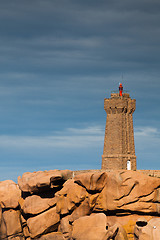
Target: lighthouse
[(119, 148)]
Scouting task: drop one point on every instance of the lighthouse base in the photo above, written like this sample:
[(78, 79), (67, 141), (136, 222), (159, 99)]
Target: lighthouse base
[(119, 161)]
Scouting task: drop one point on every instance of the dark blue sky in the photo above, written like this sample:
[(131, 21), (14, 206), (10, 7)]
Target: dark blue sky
[(58, 61)]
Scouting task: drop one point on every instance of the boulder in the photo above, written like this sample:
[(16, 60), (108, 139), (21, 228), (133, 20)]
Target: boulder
[(56, 181), (147, 230), (43, 180), (155, 224), (126, 220), (26, 231), (93, 228), (92, 198), (9, 194), (65, 227), (3, 230), (82, 210), (129, 191), (93, 182), (24, 227), (69, 197), (101, 205), (13, 223), (35, 204), (44, 222), (120, 233)]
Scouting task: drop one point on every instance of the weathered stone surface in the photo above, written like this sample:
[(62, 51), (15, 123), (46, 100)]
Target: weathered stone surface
[(155, 224), (147, 230), (35, 204), (24, 226), (3, 230), (65, 227), (70, 195), (92, 199), (16, 238), (43, 222), (83, 210), (123, 196), (130, 191), (9, 194), (26, 231), (58, 180), (93, 228), (127, 221), (12, 221), (93, 182), (52, 236), (121, 233), (37, 181)]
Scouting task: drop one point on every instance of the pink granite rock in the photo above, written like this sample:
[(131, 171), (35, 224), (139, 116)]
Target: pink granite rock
[(42, 180), (93, 182), (93, 228), (129, 191), (52, 236), (65, 227), (147, 230), (3, 230), (43, 222), (35, 204), (13, 223), (9, 194), (69, 196), (82, 210)]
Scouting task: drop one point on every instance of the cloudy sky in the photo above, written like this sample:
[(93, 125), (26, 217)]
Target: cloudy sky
[(59, 59)]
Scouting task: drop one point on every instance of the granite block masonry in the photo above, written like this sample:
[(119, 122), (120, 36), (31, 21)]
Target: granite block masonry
[(119, 148)]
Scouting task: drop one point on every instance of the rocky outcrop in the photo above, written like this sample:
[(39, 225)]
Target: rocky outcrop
[(35, 204), (42, 181), (9, 194), (3, 230), (147, 230), (120, 205), (93, 227), (10, 213), (44, 222), (129, 191)]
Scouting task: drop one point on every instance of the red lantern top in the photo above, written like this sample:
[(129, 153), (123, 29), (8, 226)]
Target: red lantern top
[(120, 89)]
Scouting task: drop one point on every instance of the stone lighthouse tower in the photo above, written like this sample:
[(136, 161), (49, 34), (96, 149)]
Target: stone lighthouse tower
[(119, 149)]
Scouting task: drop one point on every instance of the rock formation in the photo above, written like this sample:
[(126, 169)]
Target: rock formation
[(119, 205)]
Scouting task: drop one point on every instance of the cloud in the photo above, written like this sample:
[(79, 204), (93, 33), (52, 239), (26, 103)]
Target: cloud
[(147, 142), (74, 36), (59, 59), (69, 138), (147, 132), (78, 138), (72, 148), (147, 137)]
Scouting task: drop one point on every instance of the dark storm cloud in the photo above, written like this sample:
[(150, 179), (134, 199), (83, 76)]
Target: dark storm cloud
[(67, 40), (58, 34), (45, 43), (60, 58)]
